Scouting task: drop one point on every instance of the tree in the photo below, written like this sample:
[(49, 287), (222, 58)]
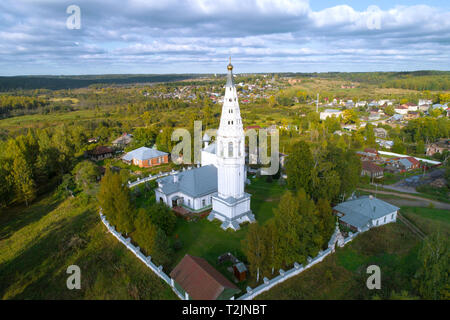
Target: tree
[(146, 231), (255, 249), (85, 173), (389, 110), (162, 217), (349, 116), (115, 201), (299, 166), (432, 278), (399, 146), (162, 250), (326, 219), (23, 181)]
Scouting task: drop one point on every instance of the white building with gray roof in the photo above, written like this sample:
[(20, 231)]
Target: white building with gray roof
[(365, 211), (192, 189)]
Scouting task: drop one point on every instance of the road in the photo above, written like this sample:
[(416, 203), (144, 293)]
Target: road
[(418, 201)]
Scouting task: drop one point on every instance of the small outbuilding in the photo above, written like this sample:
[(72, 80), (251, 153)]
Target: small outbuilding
[(201, 281), (240, 271)]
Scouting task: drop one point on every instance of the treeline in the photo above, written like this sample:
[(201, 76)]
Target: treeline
[(434, 83), (72, 82), (10, 103), (35, 163), (426, 129), (149, 227)]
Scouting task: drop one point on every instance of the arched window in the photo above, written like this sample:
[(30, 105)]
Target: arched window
[(239, 148), (230, 149)]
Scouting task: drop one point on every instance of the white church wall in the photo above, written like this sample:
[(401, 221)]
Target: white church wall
[(158, 270), (296, 270)]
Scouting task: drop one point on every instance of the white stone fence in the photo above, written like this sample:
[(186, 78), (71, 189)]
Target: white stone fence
[(298, 268), (146, 260), (156, 176)]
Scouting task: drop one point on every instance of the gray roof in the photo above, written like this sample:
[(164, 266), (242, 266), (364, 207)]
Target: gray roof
[(405, 162), (211, 148), (360, 212), (143, 153), (240, 267), (196, 182)]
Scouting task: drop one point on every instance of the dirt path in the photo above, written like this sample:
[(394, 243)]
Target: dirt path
[(419, 201)]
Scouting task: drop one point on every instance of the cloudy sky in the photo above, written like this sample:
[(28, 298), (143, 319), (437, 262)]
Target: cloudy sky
[(176, 36)]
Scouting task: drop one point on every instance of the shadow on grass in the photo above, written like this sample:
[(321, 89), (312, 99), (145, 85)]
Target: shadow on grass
[(19, 216)]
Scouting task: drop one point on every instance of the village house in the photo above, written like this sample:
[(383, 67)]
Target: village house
[(412, 115), (380, 133), (122, 141), (369, 154), (402, 164), (99, 153), (438, 147), (144, 157), (401, 110), (370, 169), (366, 211), (330, 113), (201, 281)]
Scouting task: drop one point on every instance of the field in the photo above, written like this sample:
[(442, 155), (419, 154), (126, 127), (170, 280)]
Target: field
[(343, 275), (39, 243)]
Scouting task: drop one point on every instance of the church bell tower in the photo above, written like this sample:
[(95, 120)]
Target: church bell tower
[(231, 204)]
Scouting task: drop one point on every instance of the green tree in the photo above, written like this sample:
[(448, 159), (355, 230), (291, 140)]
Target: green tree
[(146, 231), (115, 201), (162, 250), (162, 217), (299, 165), (254, 247), (432, 278), (23, 180)]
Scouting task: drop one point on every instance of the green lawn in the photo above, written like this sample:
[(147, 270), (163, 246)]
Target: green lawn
[(38, 243), (342, 275), (207, 240), (428, 220)]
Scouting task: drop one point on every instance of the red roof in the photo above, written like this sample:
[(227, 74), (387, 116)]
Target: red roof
[(99, 150), (371, 150), (252, 127), (198, 278), (371, 167), (413, 160)]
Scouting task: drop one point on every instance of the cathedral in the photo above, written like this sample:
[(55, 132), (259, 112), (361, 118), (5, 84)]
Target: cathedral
[(219, 183)]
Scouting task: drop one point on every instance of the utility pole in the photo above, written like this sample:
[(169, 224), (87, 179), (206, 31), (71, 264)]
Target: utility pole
[(317, 104)]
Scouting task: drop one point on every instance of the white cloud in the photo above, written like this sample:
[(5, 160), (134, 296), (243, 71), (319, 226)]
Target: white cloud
[(193, 35)]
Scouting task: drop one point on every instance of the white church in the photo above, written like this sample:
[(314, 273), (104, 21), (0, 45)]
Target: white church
[(219, 182)]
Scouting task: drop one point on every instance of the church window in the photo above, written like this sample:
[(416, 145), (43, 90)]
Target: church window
[(230, 149), (230, 99), (203, 203)]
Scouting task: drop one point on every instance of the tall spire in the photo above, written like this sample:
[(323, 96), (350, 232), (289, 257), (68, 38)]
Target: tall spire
[(230, 82)]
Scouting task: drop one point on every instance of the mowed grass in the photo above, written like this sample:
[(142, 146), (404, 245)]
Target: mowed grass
[(207, 240), (428, 220), (342, 275), (38, 244)]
